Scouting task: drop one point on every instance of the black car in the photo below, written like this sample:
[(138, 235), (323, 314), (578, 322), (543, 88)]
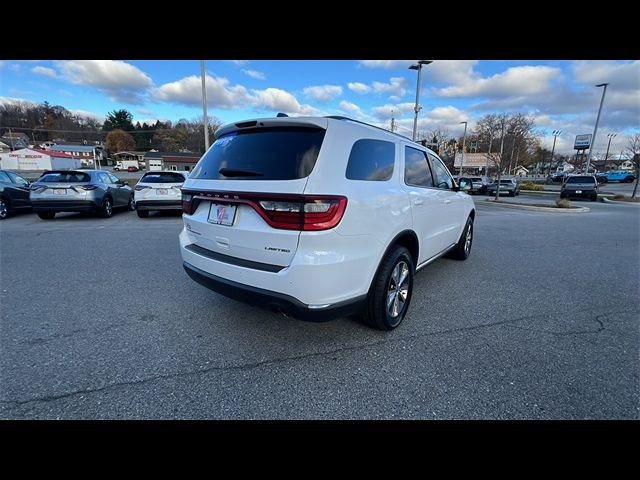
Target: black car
[(14, 193), (580, 186)]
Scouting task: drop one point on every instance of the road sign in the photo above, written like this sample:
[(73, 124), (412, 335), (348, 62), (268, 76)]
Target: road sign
[(582, 142)]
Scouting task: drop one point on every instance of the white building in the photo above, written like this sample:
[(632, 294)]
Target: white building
[(35, 159)]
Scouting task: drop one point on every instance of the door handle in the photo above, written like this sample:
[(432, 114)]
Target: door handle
[(447, 201), (418, 202)]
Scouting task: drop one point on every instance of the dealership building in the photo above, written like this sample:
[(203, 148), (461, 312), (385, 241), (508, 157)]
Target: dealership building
[(36, 159)]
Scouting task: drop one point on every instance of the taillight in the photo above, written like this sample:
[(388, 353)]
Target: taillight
[(186, 203), (87, 187), (288, 212), (141, 187)]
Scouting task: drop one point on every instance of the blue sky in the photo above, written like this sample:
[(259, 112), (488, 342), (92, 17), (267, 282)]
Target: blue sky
[(560, 94)]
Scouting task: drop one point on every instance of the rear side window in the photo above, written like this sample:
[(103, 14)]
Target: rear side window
[(164, 177), (371, 160), (416, 168), (4, 177), (581, 180), (64, 177), (275, 153)]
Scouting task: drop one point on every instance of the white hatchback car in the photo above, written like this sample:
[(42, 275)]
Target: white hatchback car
[(159, 190), (320, 217)]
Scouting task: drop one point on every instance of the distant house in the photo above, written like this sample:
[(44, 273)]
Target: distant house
[(15, 140), (520, 171), (183, 161), (474, 163), (87, 154)]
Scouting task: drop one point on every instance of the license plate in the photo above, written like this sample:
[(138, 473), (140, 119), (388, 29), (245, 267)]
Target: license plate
[(59, 191), (222, 214), (162, 191), (578, 191)]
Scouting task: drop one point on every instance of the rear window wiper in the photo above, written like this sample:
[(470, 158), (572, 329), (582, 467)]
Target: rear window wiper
[(233, 172)]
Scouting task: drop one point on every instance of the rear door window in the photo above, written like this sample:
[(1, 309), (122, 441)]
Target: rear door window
[(371, 160), (272, 153), (441, 175)]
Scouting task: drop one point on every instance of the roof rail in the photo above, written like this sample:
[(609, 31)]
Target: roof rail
[(338, 117)]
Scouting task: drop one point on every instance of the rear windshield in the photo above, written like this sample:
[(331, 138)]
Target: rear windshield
[(581, 180), (476, 179), (506, 181), (64, 177), (275, 153), (164, 177)]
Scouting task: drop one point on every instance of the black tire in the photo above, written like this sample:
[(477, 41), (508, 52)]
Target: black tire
[(594, 198), (462, 250), (142, 213), (4, 209), (562, 195), (132, 203), (46, 215), (629, 179), (377, 314), (106, 210), (512, 194)]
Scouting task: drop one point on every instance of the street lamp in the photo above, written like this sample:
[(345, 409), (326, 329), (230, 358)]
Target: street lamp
[(606, 155), (556, 133), (464, 142), (418, 67), (595, 130), (204, 107)]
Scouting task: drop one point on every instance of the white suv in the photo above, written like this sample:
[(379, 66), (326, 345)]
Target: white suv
[(159, 190), (320, 217)]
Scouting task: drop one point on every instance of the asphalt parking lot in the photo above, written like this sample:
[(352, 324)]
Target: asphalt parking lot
[(542, 322)]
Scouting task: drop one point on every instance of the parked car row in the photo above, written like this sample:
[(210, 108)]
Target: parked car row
[(622, 176), (95, 191)]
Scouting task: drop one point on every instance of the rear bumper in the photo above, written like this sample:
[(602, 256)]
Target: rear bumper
[(64, 206), (159, 205), (583, 194), (273, 300)]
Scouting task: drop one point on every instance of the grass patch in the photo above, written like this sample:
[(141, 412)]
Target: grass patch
[(563, 203), (624, 198), (531, 186)]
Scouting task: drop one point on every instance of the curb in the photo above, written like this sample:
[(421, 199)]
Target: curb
[(606, 200), (540, 192), (540, 209)]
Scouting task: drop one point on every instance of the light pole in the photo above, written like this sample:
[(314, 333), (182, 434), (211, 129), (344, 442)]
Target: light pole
[(606, 155), (556, 133), (464, 142), (204, 107), (486, 166), (418, 67), (595, 130)]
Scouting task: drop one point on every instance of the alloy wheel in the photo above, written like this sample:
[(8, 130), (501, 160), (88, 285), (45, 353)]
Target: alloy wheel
[(398, 289)]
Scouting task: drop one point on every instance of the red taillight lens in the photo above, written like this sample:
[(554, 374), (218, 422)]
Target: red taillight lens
[(86, 187), (288, 212), (186, 202)]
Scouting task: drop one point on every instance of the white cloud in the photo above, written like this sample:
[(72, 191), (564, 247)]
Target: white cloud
[(117, 79), (188, 90), (254, 74), (620, 76), (239, 63), (450, 71), (351, 108), (323, 93), (397, 86), (86, 114), (47, 72), (359, 87), (525, 80), (387, 111), (386, 64), (279, 101)]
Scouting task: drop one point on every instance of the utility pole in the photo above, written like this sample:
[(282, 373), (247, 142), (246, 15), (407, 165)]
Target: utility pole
[(486, 167), (553, 149), (11, 138), (417, 108), (204, 107), (393, 126), (464, 142), (606, 155), (500, 163), (595, 130)]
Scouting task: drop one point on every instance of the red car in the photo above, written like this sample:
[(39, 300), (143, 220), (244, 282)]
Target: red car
[(132, 169)]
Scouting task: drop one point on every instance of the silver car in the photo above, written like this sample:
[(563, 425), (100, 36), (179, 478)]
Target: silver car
[(79, 191)]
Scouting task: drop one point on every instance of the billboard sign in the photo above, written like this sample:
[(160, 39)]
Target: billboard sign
[(582, 142)]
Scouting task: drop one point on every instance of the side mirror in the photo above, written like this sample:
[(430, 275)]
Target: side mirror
[(464, 185)]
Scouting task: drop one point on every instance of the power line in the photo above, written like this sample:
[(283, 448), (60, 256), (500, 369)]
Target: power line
[(40, 129)]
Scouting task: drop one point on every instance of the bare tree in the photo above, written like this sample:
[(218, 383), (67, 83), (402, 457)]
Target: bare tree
[(437, 136), (634, 149)]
